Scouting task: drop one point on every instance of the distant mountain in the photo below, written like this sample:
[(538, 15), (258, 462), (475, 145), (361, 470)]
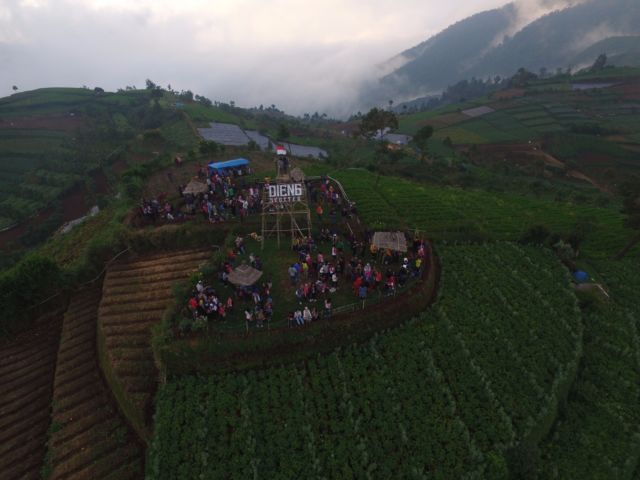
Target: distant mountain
[(485, 45), (620, 51)]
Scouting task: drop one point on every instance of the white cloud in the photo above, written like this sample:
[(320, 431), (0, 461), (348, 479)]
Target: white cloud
[(302, 56)]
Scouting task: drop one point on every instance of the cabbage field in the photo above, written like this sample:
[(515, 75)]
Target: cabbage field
[(599, 434), (445, 396), (454, 213)]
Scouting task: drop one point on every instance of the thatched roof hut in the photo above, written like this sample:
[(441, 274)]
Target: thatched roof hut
[(394, 241), (244, 275), (195, 187)]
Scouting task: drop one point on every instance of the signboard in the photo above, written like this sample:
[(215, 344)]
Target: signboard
[(285, 192)]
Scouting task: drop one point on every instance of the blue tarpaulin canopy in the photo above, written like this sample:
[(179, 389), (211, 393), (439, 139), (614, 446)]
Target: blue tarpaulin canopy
[(580, 276), (217, 166)]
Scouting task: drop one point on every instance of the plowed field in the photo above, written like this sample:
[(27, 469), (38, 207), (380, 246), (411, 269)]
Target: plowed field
[(135, 295), (27, 365), (90, 439)]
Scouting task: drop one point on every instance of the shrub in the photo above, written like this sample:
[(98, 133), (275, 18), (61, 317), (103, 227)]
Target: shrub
[(32, 280)]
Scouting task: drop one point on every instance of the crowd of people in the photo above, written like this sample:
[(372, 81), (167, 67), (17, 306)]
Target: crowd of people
[(316, 275), (223, 199), (158, 209), (334, 262), (329, 201), (257, 298), (204, 301)]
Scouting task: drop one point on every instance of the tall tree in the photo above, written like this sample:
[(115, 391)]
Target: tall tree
[(15, 88), (283, 132), (377, 120), (421, 139), (630, 191), (522, 78), (600, 62)]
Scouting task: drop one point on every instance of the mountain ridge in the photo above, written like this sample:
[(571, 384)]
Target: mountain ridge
[(480, 46)]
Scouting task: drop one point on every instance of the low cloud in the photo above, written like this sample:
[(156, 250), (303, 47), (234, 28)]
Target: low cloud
[(278, 52), (527, 11)]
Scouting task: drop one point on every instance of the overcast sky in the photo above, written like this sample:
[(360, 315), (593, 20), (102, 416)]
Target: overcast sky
[(302, 56)]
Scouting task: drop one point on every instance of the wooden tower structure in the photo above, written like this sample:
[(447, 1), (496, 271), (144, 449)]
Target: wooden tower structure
[(285, 203)]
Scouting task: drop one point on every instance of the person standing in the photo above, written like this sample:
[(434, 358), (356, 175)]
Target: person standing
[(260, 318), (327, 307), (362, 292), (293, 273), (306, 315)]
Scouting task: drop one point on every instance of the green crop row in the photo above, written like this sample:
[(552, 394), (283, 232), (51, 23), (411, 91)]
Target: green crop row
[(453, 213), (599, 432), (443, 397)]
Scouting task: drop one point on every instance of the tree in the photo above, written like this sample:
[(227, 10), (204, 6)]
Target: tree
[(522, 78), (283, 132), (377, 121), (156, 93), (421, 139), (15, 88), (208, 147), (203, 100), (150, 85), (630, 191), (600, 62)]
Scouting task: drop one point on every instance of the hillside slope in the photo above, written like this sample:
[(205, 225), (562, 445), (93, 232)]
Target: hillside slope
[(91, 439), (442, 397), (135, 295), (27, 365), (481, 46)]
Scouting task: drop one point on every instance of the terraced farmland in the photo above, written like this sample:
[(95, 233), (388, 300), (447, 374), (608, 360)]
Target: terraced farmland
[(27, 365), (599, 435), (90, 439), (444, 396), (135, 295), (454, 213)]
